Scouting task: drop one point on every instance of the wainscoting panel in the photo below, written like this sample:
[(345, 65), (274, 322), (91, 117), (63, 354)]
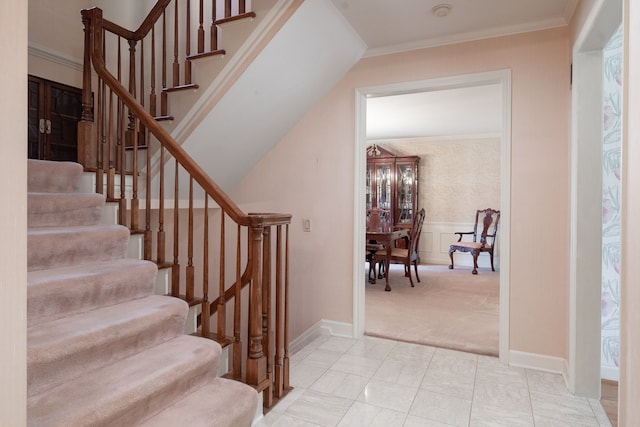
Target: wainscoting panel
[(438, 236)]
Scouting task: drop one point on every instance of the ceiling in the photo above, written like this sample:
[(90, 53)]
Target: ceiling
[(400, 25)]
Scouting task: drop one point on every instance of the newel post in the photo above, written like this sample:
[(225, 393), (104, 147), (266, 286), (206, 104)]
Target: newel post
[(257, 362), (87, 148)]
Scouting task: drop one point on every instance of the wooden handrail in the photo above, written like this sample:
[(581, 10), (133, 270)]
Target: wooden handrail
[(133, 128), (201, 177)]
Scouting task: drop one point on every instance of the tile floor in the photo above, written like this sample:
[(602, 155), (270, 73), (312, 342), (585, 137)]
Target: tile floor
[(376, 382)]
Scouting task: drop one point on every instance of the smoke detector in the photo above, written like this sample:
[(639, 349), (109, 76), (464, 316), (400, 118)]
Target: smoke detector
[(441, 10)]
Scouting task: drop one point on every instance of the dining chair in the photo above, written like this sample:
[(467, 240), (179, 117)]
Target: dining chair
[(406, 255), (483, 240)]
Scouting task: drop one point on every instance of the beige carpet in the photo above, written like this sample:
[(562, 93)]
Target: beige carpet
[(448, 308)]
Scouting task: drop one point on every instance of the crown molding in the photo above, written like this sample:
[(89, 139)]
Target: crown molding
[(53, 55), (474, 35)]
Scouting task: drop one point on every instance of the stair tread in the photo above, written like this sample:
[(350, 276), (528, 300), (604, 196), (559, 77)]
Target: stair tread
[(215, 397), (125, 392), (74, 345), (58, 292), (60, 209), (72, 245), (48, 176), (74, 327)]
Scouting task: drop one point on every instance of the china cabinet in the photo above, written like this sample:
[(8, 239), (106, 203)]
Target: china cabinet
[(392, 184)]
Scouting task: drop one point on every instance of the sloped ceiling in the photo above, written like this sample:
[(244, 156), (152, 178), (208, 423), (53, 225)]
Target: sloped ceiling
[(307, 57)]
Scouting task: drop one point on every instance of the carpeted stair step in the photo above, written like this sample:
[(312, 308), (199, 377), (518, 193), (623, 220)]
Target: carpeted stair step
[(233, 403), (53, 177), (55, 293), (64, 209), (73, 346), (52, 247), (130, 390)]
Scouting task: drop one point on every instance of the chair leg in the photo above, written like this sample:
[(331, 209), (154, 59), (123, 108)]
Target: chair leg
[(382, 270), (407, 268), (451, 251), (475, 262), (415, 265), (491, 257)]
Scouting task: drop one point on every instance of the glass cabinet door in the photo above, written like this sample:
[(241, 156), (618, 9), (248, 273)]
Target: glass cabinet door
[(406, 192), (383, 186), (367, 187)]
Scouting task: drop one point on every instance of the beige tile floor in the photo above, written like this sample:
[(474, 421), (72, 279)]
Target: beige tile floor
[(376, 382)]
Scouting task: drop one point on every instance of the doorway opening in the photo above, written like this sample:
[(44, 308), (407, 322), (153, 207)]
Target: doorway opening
[(503, 80)]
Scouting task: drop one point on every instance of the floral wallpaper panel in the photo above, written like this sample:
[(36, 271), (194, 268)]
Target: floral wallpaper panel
[(612, 90)]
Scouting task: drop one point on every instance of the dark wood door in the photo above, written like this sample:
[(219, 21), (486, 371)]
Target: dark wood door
[(54, 113)]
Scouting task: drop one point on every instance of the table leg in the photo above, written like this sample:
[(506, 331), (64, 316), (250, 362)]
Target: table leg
[(387, 268)]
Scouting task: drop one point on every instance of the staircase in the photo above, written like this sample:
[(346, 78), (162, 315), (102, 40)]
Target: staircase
[(102, 349)]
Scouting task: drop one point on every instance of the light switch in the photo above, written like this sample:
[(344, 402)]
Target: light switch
[(306, 224)]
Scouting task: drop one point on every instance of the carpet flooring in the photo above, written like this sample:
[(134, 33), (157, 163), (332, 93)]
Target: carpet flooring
[(448, 308)]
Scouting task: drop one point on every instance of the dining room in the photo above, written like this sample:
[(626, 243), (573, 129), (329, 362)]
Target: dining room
[(424, 152)]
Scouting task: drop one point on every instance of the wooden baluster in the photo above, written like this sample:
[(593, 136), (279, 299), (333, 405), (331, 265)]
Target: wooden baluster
[(122, 208), (285, 362), (111, 172), (190, 268), (175, 268), (214, 28), (132, 81), (222, 315), (187, 63), (176, 64), (266, 314), (152, 93), (119, 77), (278, 384), (237, 312), (201, 28), (242, 7), (148, 243), (160, 257), (133, 138), (142, 140), (227, 8), (163, 94), (135, 207), (206, 308), (122, 204), (256, 363), (100, 139)]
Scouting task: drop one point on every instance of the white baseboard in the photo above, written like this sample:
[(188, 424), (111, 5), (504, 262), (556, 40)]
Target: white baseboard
[(322, 327), (540, 362)]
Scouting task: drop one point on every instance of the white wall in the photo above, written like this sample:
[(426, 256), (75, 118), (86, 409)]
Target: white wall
[(310, 174), (13, 215), (629, 412)]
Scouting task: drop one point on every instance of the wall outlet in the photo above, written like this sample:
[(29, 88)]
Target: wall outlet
[(306, 224)]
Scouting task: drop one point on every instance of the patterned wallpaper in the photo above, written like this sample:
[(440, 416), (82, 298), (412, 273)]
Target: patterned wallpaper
[(457, 175), (612, 91)]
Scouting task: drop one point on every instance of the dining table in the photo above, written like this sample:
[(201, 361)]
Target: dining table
[(385, 234)]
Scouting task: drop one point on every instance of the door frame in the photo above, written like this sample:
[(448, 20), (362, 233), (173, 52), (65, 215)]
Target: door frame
[(585, 276), (502, 77)]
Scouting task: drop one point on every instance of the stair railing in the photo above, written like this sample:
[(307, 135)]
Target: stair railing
[(137, 162)]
